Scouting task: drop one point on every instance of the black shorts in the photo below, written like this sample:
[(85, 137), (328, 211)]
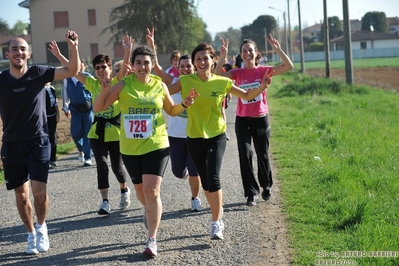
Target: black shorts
[(152, 163), (24, 160)]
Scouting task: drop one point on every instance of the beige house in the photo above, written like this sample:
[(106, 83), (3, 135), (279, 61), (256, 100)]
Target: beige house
[(50, 19)]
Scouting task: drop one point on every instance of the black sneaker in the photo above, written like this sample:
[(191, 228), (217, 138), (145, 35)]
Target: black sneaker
[(266, 193), (251, 201)]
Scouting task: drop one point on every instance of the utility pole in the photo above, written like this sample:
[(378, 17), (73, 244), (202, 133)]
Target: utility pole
[(301, 39), (347, 43), (285, 29), (289, 31), (326, 40), (266, 44)]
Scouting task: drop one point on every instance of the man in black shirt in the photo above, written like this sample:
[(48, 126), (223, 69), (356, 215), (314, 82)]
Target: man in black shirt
[(26, 148)]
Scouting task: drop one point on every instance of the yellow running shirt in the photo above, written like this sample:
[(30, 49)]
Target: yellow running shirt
[(111, 132), (143, 128), (205, 115)]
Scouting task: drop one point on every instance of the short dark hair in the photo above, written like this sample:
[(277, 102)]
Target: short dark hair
[(203, 47), (184, 57), (9, 43), (143, 50), (102, 58)]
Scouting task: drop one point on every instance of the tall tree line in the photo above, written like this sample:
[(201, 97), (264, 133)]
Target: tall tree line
[(176, 22)]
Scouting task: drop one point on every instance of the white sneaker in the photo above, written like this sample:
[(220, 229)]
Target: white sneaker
[(217, 230), (31, 249), (81, 157), (151, 247), (87, 163), (125, 199), (42, 241), (196, 205), (105, 208), (186, 175)]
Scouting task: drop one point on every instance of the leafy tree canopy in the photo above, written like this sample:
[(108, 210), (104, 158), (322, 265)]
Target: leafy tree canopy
[(377, 19), (20, 28), (256, 30), (234, 36), (334, 28), (4, 28), (176, 23)]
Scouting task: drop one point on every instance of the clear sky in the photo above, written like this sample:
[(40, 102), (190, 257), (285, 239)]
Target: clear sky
[(219, 15)]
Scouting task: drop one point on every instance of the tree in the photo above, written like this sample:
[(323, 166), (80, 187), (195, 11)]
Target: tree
[(20, 28), (234, 36), (4, 28), (176, 23), (196, 33), (376, 19), (335, 28), (256, 30)]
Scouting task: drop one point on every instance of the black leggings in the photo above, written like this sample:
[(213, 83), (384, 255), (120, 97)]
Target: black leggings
[(100, 150), (208, 155)]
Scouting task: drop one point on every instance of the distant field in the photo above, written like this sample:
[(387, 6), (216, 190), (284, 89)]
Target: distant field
[(357, 63)]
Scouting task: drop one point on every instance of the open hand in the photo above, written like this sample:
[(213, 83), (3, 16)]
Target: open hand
[(127, 42), (53, 48), (150, 38), (106, 83), (267, 79), (224, 49), (273, 42), (189, 100)]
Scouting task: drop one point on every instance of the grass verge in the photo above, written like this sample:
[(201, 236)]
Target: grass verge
[(336, 149)]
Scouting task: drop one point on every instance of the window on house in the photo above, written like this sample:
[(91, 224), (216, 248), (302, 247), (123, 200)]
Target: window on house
[(363, 45), (4, 50), (51, 59), (91, 13), (93, 49), (61, 19), (118, 50)]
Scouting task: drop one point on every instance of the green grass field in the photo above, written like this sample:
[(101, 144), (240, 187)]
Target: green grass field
[(336, 148), (357, 63)]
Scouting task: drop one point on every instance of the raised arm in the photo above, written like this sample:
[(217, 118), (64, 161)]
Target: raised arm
[(251, 94), (127, 44), (223, 54), (286, 64), (53, 48), (72, 67), (175, 87), (166, 78), (108, 94), (172, 108)]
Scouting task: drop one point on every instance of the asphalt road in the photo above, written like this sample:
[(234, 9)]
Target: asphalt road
[(79, 236)]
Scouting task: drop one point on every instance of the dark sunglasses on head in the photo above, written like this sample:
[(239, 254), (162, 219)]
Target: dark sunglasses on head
[(100, 67)]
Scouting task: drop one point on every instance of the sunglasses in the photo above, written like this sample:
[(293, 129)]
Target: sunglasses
[(117, 70), (100, 67)]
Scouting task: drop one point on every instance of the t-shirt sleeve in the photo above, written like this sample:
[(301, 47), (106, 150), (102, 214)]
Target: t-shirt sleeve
[(229, 84), (46, 73), (89, 83), (234, 73)]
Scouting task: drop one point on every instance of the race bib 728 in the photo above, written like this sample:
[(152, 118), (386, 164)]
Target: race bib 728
[(138, 126)]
